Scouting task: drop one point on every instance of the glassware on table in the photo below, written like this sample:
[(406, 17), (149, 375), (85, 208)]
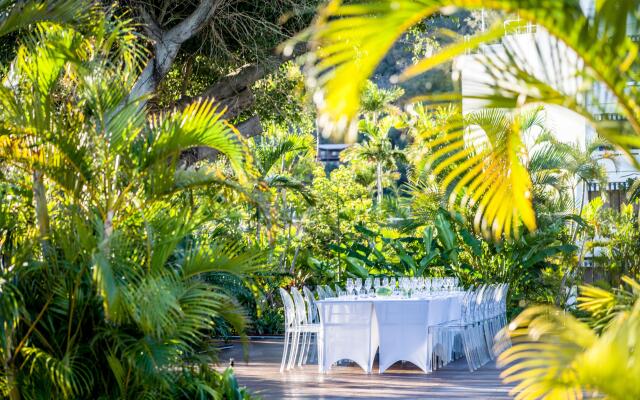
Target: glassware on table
[(358, 286), (404, 289), (376, 284), (436, 284), (385, 281), (414, 286), (367, 286), (455, 284), (392, 284), (350, 286), (427, 285), (342, 294), (421, 285)]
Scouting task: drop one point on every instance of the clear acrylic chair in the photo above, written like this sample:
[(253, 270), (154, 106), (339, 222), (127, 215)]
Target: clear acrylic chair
[(469, 329), (312, 318), (304, 329), (289, 326), (329, 291), (321, 293)]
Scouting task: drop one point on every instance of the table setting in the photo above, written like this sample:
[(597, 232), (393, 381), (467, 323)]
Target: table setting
[(385, 315)]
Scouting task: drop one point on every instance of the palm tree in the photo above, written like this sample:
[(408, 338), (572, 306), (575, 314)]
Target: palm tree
[(115, 300), (350, 40), (582, 166), (379, 115), (376, 149), (275, 155)]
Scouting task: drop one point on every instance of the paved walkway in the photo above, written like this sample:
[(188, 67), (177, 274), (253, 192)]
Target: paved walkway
[(402, 381)]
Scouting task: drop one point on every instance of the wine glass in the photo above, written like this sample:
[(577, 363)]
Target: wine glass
[(358, 285), (385, 281), (427, 285), (350, 285), (367, 285), (414, 286), (406, 286), (376, 283), (455, 284), (392, 283)]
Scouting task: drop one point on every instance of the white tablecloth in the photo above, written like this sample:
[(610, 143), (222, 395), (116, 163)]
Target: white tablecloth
[(398, 328)]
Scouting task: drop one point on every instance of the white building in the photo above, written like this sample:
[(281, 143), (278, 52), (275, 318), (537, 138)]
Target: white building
[(533, 50)]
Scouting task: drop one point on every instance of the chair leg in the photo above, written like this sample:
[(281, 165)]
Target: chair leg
[(285, 350), (303, 347), (466, 347), (308, 349), (294, 350)]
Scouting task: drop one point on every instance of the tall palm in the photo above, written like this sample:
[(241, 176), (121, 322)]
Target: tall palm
[(275, 155), (376, 149), (379, 115), (349, 41), (582, 166)]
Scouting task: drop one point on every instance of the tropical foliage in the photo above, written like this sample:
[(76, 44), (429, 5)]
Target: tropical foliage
[(349, 40), (101, 254), (555, 355), (130, 237)]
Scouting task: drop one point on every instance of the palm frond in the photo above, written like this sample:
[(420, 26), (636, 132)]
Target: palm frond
[(483, 168), (19, 14), (556, 356), (199, 124), (222, 256), (69, 375)]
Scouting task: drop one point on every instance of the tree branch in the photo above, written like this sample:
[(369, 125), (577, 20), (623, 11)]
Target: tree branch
[(193, 23), (251, 127), (150, 26)]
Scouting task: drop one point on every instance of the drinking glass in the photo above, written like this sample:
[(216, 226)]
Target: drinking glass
[(367, 285), (392, 283), (376, 283), (385, 281), (406, 286), (358, 285), (350, 285), (455, 283), (414, 286)]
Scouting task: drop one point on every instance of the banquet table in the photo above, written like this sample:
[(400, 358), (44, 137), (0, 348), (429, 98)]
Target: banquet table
[(397, 328)]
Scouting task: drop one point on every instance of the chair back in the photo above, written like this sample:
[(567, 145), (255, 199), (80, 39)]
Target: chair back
[(301, 309), (329, 291), (321, 293), (289, 309), (311, 305)]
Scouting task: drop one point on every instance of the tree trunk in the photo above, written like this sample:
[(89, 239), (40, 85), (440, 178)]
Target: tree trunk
[(156, 69), (167, 44)]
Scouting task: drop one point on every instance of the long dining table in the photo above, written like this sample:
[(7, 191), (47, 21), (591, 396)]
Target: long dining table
[(396, 328)]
